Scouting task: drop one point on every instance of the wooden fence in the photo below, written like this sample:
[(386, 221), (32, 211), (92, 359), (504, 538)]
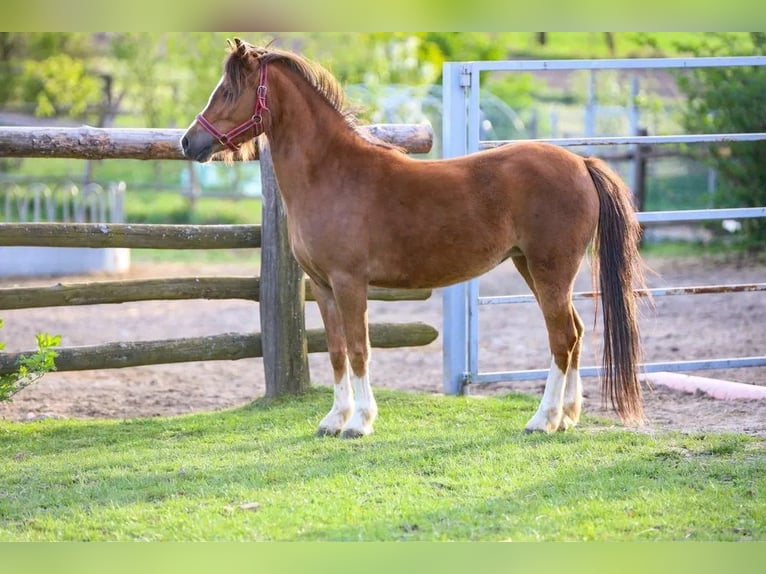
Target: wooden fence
[(281, 289)]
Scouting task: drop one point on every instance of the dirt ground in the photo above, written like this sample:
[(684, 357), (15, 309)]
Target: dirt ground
[(512, 337)]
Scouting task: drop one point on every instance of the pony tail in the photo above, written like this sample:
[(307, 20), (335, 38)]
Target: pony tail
[(618, 264)]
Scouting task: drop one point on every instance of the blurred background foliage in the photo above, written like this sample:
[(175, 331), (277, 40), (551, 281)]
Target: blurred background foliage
[(162, 80)]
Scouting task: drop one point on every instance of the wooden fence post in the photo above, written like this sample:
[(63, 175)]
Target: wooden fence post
[(283, 326)]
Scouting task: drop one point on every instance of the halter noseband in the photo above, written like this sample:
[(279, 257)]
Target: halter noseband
[(256, 120)]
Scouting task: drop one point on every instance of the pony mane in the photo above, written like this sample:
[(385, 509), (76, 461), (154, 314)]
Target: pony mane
[(236, 71)]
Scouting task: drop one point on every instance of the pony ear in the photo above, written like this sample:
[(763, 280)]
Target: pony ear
[(241, 46), (237, 46)]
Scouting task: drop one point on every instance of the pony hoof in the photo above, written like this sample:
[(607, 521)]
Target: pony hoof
[(544, 421), (566, 424), (324, 431), (353, 433), (546, 428)]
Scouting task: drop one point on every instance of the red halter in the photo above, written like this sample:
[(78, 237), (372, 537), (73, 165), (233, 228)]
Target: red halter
[(256, 120)]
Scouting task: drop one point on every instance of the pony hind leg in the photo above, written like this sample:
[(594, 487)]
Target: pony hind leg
[(573, 386), (563, 387), (572, 404), (561, 403), (332, 424)]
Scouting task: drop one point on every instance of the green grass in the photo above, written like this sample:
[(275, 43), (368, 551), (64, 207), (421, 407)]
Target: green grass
[(131, 171), (437, 468), (718, 248), (148, 206), (246, 257)]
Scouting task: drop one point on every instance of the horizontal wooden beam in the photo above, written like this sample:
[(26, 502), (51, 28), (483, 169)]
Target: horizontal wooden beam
[(100, 292), (383, 336), (383, 294), (227, 346), (125, 291), (147, 236), (413, 138), (87, 142)]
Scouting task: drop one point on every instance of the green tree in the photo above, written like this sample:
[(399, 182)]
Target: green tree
[(51, 72), (60, 85), (138, 66), (195, 62), (731, 100)]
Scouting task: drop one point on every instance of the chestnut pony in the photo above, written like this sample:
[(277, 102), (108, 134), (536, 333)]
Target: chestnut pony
[(361, 212)]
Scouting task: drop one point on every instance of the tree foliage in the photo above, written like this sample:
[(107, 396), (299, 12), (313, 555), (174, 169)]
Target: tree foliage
[(49, 71), (731, 100), (60, 85), (166, 78), (32, 366)]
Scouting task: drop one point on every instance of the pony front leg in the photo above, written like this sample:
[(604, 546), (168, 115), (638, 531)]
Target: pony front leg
[(351, 297), (365, 408), (332, 424)]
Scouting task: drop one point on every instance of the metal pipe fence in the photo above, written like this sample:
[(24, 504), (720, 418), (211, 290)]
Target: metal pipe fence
[(461, 129)]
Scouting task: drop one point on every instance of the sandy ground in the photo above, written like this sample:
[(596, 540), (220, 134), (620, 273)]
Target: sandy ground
[(512, 337)]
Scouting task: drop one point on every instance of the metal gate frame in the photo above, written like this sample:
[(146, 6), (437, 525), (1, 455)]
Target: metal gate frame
[(461, 122)]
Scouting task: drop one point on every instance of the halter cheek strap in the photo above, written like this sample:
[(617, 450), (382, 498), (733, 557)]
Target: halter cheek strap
[(255, 121)]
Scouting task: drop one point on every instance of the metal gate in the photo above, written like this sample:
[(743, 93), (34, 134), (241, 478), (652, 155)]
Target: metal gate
[(461, 135)]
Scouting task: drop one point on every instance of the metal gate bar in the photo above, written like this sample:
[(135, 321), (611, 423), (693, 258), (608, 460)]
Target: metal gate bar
[(674, 366), (642, 140), (654, 292), (461, 131)]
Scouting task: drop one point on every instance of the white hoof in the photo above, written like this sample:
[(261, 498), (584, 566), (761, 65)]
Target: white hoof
[(333, 423), (546, 421), (571, 416), (566, 423), (360, 423)]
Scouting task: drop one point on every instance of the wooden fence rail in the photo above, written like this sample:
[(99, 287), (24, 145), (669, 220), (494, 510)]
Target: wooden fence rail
[(175, 288), (138, 236), (281, 290), (87, 142), (227, 346)]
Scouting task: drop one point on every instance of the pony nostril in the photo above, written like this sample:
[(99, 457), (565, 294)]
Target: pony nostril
[(185, 143)]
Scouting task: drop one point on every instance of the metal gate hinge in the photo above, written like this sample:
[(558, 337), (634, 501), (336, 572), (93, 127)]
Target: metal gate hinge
[(467, 379), (465, 77)]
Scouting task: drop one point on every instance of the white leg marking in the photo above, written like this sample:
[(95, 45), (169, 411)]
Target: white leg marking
[(365, 408), (549, 413), (572, 399), (342, 406)]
